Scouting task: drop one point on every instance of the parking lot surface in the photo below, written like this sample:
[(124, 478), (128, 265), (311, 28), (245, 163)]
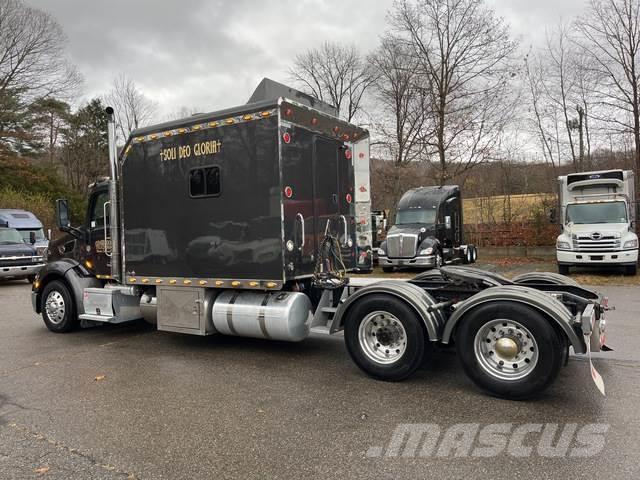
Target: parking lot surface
[(130, 402)]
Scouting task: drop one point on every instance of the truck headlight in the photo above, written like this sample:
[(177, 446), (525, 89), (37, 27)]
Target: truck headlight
[(631, 244), (426, 251), (560, 245)]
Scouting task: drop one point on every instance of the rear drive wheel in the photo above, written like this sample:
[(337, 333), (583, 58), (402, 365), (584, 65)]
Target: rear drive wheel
[(509, 349), (474, 254), (58, 307), (563, 269), (630, 270), (384, 337)]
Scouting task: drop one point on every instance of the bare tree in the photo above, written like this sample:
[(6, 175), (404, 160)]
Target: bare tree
[(464, 52), (132, 108), (401, 106), (611, 31), (32, 59), (336, 74)]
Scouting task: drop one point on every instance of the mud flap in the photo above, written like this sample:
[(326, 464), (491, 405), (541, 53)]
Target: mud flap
[(595, 375)]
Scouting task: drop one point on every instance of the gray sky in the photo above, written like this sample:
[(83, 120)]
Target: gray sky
[(211, 54)]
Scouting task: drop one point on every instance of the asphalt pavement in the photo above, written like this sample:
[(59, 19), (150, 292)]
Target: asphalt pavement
[(130, 402)]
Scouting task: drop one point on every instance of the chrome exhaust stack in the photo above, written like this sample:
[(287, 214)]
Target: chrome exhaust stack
[(113, 196)]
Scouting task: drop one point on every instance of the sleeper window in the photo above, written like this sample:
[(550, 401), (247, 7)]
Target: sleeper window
[(204, 182)]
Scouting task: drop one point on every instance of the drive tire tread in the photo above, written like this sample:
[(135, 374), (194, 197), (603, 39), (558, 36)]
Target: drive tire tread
[(550, 350), (416, 337)]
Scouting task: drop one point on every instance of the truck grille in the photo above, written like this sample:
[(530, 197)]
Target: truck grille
[(402, 245), (591, 243), (18, 261)]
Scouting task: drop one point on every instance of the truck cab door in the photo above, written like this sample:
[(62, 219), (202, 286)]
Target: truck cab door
[(98, 247)]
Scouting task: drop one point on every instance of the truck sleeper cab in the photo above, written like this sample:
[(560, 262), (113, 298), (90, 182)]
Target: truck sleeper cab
[(428, 231), (254, 236)]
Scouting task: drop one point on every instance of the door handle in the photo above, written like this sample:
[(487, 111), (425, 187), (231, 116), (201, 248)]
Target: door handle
[(346, 230), (299, 216)]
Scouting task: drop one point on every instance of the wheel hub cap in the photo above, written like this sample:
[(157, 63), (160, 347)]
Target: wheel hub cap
[(382, 337), (506, 349), (54, 306)]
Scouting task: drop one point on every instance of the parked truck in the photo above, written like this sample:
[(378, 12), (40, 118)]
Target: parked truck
[(256, 208), (597, 213), (28, 225), (428, 231), (19, 259)]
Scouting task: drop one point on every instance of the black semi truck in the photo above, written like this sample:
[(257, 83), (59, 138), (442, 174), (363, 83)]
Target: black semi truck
[(428, 231), (244, 222)]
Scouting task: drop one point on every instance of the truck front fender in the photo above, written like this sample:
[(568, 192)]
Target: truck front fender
[(549, 306), (72, 273), (412, 295)]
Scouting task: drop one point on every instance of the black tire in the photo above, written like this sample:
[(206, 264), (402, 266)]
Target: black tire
[(388, 269), (563, 269), (468, 256), (60, 293), (415, 345), (549, 357), (439, 261), (474, 257), (631, 270)]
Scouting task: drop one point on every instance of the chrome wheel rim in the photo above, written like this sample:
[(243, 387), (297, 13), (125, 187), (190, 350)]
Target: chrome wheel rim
[(506, 350), (382, 337), (54, 306)]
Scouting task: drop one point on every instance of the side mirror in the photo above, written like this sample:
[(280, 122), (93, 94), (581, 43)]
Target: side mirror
[(553, 215), (62, 214), (447, 222), (32, 237)]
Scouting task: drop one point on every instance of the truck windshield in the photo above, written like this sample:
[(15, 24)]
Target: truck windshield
[(10, 236), (586, 213), (26, 234), (416, 216)]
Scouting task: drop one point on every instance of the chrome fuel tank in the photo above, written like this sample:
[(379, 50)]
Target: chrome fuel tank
[(272, 315)]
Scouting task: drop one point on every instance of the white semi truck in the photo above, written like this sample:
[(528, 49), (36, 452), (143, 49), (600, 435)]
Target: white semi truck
[(597, 212)]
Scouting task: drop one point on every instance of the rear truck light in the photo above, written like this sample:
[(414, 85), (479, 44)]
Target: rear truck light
[(288, 191), (348, 198), (286, 138), (347, 154)]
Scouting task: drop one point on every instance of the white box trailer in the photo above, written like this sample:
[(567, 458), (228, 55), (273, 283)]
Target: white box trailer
[(597, 213)]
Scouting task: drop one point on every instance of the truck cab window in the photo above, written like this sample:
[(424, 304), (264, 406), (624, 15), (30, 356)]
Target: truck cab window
[(204, 182), (97, 210)]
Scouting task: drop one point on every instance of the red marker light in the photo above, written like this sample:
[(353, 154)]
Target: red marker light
[(349, 198), (361, 155), (288, 191), (347, 154), (288, 112), (286, 138), (314, 121)]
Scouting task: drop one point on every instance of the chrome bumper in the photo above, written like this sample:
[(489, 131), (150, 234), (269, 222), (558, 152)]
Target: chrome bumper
[(20, 270), (419, 261)]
